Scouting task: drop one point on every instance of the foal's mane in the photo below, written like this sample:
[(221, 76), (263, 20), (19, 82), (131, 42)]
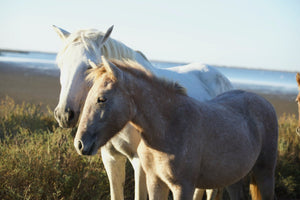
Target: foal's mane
[(138, 71), (111, 49)]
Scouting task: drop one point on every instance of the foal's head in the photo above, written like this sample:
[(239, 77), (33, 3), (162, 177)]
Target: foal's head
[(298, 101), (107, 109)]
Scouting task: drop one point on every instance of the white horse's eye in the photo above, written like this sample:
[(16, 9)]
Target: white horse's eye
[(101, 100)]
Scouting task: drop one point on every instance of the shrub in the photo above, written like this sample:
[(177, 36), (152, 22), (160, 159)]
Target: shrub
[(38, 159), (288, 163)]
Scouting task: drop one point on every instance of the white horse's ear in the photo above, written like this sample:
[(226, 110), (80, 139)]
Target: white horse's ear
[(106, 35), (63, 34), (112, 69)]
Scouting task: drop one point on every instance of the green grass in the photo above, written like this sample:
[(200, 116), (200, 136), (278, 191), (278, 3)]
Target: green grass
[(38, 159)]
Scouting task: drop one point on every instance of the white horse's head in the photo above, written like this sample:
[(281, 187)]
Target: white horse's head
[(72, 60)]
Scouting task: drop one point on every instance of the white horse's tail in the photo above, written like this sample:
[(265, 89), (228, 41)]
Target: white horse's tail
[(254, 190)]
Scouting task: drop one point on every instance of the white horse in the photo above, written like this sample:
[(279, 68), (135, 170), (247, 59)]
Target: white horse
[(202, 82)]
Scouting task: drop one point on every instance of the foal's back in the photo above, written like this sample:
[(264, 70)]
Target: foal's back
[(244, 102), (250, 107)]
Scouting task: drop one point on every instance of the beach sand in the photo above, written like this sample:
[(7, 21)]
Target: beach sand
[(30, 85)]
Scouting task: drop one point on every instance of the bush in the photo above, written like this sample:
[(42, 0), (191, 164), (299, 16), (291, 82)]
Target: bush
[(288, 163), (38, 159)]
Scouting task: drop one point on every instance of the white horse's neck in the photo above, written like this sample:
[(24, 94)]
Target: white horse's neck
[(113, 49)]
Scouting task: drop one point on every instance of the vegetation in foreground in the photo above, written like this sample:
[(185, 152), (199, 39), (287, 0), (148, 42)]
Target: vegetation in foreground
[(38, 160)]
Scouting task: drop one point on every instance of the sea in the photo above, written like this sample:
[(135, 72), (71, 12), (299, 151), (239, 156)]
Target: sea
[(260, 80)]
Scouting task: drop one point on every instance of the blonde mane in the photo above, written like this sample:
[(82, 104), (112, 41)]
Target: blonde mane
[(111, 49), (136, 70)]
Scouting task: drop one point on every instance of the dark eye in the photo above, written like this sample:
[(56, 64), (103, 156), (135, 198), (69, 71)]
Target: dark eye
[(101, 100)]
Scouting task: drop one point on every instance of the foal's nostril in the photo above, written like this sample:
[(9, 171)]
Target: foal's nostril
[(80, 146)]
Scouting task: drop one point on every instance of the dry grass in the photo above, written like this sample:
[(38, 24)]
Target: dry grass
[(38, 160)]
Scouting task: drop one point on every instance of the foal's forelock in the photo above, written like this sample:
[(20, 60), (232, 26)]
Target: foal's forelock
[(111, 49)]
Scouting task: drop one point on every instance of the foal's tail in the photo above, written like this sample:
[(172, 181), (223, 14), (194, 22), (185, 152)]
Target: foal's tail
[(255, 193)]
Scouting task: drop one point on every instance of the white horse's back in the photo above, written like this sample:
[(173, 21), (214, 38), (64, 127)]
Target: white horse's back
[(202, 82)]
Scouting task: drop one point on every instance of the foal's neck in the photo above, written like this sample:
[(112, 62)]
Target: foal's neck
[(156, 109)]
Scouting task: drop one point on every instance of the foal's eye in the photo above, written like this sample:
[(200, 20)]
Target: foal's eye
[(101, 100)]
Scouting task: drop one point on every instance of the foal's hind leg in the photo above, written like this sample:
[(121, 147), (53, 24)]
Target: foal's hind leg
[(183, 192), (211, 194), (114, 164), (198, 194), (236, 191), (264, 179)]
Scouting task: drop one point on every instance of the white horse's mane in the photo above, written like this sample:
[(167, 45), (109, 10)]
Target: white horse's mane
[(111, 49)]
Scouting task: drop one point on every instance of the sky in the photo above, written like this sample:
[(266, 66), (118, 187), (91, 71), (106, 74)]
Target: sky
[(254, 34)]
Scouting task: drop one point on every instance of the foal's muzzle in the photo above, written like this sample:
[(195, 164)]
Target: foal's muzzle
[(82, 149), (66, 118)]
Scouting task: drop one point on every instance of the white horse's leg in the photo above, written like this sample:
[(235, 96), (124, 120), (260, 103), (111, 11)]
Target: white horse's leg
[(114, 164), (126, 143), (157, 189), (140, 187)]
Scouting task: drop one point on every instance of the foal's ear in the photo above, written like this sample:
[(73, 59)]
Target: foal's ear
[(112, 69), (63, 34), (298, 79), (106, 35), (92, 64)]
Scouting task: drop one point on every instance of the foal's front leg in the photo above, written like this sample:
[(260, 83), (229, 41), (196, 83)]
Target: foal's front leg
[(183, 192), (157, 189)]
